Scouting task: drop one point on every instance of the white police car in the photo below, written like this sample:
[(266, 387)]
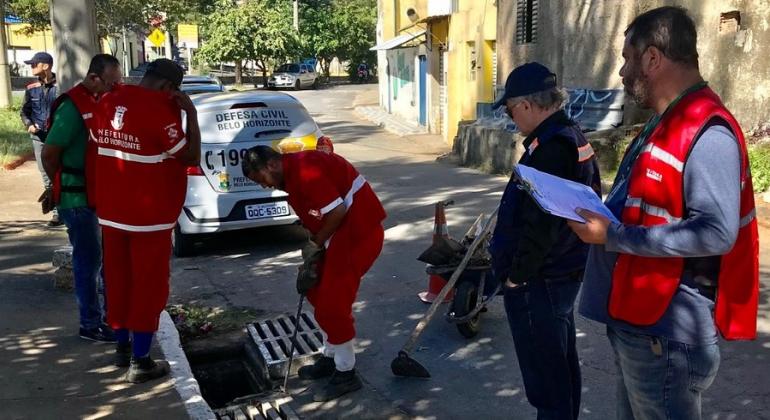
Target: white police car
[(219, 197)]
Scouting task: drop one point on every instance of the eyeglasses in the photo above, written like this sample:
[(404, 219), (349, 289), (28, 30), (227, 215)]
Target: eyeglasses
[(509, 108)]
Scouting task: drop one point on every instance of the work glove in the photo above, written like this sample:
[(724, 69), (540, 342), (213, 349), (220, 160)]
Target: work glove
[(311, 253), (46, 201), (307, 276)]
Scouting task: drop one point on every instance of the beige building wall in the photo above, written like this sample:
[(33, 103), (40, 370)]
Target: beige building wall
[(582, 43)]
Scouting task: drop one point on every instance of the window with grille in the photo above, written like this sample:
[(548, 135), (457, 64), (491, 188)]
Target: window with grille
[(526, 21)]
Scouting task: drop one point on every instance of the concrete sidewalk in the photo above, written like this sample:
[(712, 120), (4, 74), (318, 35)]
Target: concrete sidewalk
[(46, 370), (389, 122)]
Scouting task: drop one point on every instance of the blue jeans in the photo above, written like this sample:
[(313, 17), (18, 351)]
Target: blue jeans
[(542, 323), (85, 237), (660, 378)]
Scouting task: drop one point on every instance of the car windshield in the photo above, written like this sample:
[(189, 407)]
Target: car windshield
[(288, 68)]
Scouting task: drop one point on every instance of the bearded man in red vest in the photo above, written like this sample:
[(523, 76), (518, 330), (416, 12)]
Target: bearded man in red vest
[(683, 262)]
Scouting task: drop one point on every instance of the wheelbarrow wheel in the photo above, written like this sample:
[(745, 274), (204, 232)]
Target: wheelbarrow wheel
[(466, 295)]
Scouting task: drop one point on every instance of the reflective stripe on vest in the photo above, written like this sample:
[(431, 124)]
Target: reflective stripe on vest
[(135, 228), (133, 157), (651, 210), (664, 156), (585, 152), (745, 220)]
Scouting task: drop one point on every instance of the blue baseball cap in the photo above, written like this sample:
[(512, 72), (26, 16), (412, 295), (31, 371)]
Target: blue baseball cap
[(526, 79), (40, 57)]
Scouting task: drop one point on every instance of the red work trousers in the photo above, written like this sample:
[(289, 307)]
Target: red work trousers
[(348, 258), (136, 276)]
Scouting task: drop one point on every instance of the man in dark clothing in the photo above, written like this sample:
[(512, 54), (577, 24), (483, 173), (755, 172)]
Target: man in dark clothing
[(35, 109), (535, 254)]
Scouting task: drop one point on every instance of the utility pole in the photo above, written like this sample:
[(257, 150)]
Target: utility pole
[(75, 39), (5, 70), (126, 59), (296, 15)]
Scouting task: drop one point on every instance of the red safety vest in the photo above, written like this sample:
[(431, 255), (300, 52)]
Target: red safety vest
[(642, 287), (85, 102)]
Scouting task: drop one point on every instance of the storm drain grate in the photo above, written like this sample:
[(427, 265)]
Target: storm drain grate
[(277, 409), (273, 339)]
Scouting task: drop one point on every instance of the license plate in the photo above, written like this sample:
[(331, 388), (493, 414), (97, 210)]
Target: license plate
[(260, 211)]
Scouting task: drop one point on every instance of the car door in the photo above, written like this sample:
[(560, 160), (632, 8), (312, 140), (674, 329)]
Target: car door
[(304, 75)]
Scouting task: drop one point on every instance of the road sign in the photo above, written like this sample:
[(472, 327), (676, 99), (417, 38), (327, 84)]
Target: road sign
[(157, 38), (188, 35)]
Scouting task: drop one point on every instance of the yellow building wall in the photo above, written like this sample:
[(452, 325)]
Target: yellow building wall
[(38, 41), (474, 26)]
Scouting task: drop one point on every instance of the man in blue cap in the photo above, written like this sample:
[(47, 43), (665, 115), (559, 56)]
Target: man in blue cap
[(536, 255), (35, 109)]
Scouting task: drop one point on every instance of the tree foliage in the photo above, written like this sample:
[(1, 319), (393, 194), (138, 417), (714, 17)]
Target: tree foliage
[(259, 31), (112, 16), (338, 28)]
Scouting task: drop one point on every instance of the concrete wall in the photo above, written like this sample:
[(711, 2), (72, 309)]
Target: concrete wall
[(582, 43)]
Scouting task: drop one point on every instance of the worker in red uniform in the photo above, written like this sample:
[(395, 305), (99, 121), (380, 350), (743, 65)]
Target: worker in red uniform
[(344, 217), (140, 166)]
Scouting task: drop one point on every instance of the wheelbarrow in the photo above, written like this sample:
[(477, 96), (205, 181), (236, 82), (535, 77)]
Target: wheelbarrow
[(474, 288), (473, 292)]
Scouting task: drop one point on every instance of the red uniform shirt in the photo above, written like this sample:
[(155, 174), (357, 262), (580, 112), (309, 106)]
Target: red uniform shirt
[(318, 182), (141, 186)]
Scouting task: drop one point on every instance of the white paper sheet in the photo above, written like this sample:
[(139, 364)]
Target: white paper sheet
[(558, 196)]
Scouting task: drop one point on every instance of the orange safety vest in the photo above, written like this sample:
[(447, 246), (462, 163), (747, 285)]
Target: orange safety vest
[(85, 102), (642, 287)]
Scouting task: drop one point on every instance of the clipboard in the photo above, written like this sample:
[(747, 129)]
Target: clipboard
[(558, 196)]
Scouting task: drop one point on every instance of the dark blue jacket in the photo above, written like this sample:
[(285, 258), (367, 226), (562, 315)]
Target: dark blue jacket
[(36, 108), (527, 243)]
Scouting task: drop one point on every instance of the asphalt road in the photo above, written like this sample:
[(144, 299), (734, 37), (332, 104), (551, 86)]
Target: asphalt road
[(476, 378)]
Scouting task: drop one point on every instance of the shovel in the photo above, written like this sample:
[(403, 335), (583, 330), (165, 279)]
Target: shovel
[(403, 365), (293, 343)]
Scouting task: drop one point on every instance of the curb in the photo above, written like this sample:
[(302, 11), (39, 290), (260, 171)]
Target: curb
[(184, 382), (19, 161)]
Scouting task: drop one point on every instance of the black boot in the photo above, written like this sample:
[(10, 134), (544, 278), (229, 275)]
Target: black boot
[(322, 368), (123, 355), (146, 369), (340, 384)]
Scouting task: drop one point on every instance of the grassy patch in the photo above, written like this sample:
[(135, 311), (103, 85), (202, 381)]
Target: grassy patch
[(194, 321), (759, 156), (14, 140)]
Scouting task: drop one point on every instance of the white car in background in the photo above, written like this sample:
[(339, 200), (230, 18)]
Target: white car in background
[(219, 197), (293, 75)]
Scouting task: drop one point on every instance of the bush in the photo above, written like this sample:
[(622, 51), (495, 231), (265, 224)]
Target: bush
[(759, 157), (14, 140)]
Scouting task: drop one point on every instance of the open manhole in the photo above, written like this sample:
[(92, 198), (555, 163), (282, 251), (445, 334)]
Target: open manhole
[(238, 380), (272, 338), (224, 376)]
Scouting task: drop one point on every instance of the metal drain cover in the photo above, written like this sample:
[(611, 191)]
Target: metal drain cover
[(273, 339), (258, 409)]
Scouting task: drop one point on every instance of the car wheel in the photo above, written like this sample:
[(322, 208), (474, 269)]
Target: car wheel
[(297, 85), (182, 245)]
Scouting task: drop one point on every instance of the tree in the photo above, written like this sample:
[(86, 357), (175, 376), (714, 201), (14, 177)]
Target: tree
[(344, 29), (258, 30)]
